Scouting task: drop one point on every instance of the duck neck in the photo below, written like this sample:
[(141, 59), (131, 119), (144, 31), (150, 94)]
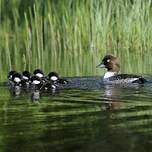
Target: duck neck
[(109, 74)]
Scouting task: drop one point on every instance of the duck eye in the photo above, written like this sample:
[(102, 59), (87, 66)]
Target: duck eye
[(108, 60)]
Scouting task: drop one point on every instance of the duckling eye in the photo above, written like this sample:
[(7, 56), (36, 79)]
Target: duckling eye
[(108, 60)]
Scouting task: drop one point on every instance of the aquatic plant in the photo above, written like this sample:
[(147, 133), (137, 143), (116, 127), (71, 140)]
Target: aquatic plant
[(72, 36)]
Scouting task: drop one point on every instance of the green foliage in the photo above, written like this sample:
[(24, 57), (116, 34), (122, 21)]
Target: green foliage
[(71, 36)]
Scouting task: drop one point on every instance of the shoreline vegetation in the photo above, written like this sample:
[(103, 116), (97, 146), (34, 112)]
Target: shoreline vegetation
[(72, 36)]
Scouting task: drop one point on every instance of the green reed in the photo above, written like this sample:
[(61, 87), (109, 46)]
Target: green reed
[(71, 36)]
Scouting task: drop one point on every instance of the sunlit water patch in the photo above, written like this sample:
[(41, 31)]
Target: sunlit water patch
[(101, 118)]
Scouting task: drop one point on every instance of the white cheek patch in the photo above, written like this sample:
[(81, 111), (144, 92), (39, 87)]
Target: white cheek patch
[(40, 75), (36, 82), (17, 80), (25, 78), (108, 60), (54, 78)]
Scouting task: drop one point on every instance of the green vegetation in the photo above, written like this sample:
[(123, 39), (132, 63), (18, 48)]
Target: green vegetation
[(71, 36)]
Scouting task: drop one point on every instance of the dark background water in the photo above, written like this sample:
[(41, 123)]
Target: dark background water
[(105, 118)]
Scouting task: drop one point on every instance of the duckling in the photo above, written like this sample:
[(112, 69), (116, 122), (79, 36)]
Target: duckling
[(16, 83), (26, 76), (39, 73), (36, 82), (10, 74), (36, 85), (54, 77)]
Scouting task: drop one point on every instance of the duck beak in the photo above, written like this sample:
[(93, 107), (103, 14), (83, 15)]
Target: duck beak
[(101, 65)]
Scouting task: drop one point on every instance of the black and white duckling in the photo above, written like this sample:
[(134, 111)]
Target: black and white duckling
[(48, 87), (10, 74), (17, 78), (112, 76), (39, 73), (50, 84), (26, 76), (36, 85), (16, 83), (54, 78)]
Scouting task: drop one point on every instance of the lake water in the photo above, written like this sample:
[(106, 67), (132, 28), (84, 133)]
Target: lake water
[(89, 117)]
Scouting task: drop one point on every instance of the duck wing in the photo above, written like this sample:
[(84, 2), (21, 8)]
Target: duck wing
[(128, 78)]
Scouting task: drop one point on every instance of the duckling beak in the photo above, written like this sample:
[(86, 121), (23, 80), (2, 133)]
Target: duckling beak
[(101, 65)]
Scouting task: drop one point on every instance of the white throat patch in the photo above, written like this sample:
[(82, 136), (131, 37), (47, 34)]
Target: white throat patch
[(109, 74), (36, 82), (17, 80), (25, 78), (54, 78), (40, 75)]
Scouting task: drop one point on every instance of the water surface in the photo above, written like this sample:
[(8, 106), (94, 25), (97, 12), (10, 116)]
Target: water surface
[(97, 118)]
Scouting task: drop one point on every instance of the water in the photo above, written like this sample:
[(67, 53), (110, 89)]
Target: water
[(90, 118)]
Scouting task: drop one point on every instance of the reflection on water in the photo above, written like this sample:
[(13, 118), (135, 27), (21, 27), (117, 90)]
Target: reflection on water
[(107, 118)]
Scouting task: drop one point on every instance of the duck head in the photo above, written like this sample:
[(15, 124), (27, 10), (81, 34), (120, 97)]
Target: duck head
[(53, 76), (26, 75), (10, 74), (111, 63), (39, 73)]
